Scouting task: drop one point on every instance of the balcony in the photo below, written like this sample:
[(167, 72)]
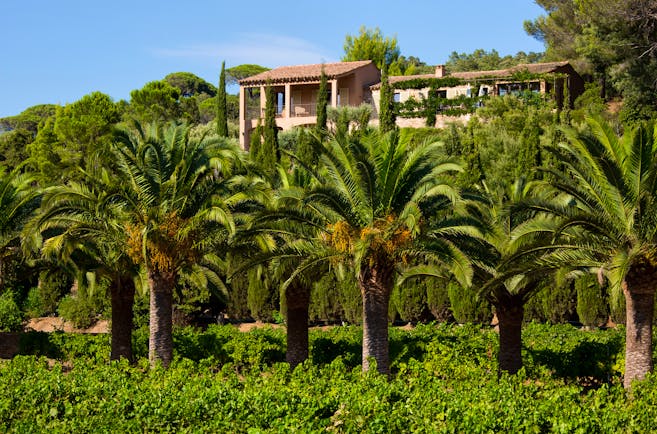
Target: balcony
[(298, 111)]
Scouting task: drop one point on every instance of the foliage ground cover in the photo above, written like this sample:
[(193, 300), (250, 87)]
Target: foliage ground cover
[(444, 379)]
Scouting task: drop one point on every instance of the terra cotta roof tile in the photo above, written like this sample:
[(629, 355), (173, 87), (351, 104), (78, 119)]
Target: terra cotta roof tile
[(296, 73), (533, 68)]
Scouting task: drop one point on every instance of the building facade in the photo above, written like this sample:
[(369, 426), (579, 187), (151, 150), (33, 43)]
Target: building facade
[(296, 91), (354, 83)]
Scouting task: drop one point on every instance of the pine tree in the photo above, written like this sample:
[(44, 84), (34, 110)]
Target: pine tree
[(322, 103), (386, 109), (222, 121)]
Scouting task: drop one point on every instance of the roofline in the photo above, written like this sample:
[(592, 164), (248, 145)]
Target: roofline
[(252, 81), (480, 75)]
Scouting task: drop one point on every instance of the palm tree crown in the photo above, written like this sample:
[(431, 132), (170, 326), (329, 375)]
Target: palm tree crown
[(19, 197), (613, 183)]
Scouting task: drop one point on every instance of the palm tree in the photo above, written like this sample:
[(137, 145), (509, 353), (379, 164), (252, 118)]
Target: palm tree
[(514, 261), (278, 233), (19, 197), (173, 195), (85, 226), (372, 201), (612, 181)]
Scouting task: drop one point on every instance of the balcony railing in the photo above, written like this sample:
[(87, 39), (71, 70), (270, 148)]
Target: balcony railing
[(297, 111), (303, 110)]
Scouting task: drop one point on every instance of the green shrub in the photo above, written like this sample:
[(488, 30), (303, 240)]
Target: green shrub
[(350, 299), (591, 304), (85, 307), (11, 317), (324, 303), (466, 306), (589, 103), (617, 312), (262, 297), (141, 311), (66, 346), (77, 311), (34, 305), (409, 301), (336, 298), (416, 136), (237, 307), (43, 299), (438, 300), (555, 302)]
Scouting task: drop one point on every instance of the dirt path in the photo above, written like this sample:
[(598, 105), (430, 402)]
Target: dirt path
[(52, 324)]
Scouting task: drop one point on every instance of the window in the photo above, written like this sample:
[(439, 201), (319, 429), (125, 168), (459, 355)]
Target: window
[(280, 102), (343, 96)]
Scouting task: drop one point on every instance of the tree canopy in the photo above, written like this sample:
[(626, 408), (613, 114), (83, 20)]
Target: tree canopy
[(156, 101), (482, 60), (190, 84), (614, 41), (29, 119), (236, 73), (370, 44)]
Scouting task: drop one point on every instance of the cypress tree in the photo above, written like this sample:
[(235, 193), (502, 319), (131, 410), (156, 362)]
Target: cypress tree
[(255, 143), (473, 173), (322, 103), (269, 152), (305, 150), (386, 104), (222, 120), (529, 157), (591, 303)]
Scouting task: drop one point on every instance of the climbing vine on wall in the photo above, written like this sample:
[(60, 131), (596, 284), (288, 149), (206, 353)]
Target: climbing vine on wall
[(433, 104)]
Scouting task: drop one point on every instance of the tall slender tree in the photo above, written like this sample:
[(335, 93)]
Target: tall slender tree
[(268, 153), (222, 118), (322, 103), (386, 104)]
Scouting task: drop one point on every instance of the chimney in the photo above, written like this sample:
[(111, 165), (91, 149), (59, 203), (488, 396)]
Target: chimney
[(440, 71)]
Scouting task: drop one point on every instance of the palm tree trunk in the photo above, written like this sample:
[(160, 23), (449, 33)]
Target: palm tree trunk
[(297, 298), (639, 291), (375, 287), (122, 292), (510, 313), (160, 340)]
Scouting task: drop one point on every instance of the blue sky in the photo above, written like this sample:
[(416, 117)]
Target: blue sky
[(56, 52)]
